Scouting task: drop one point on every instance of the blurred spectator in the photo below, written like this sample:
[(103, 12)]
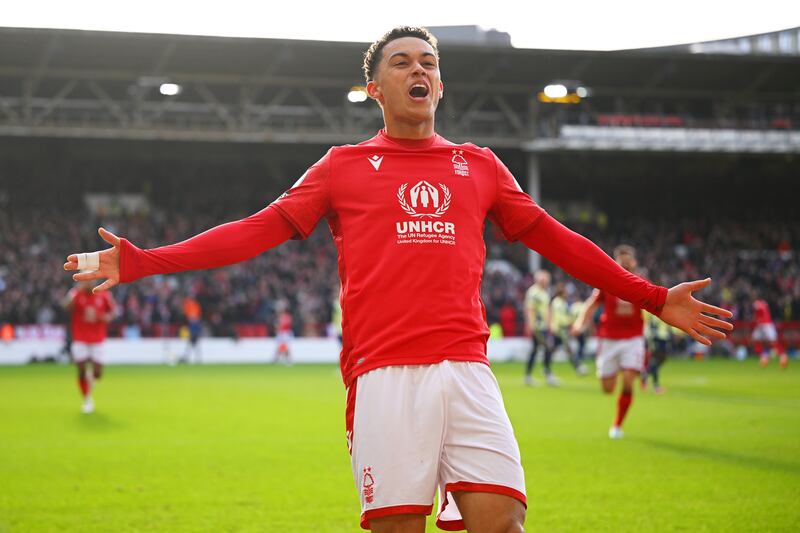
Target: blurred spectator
[(743, 257)]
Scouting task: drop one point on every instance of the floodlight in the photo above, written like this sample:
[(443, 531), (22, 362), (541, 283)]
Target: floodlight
[(170, 89)]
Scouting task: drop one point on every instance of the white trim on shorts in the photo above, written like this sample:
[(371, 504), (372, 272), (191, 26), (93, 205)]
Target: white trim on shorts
[(82, 351), (765, 333), (415, 428), (284, 337), (614, 355)]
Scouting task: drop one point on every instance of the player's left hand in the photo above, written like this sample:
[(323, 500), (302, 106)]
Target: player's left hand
[(108, 267), (683, 311)]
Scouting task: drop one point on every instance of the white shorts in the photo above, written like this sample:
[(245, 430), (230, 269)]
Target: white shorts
[(413, 428), (765, 333), (284, 337), (81, 351), (614, 355)]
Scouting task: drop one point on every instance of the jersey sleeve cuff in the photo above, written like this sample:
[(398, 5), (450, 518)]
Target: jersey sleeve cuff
[(128, 254), (661, 299), (301, 233)]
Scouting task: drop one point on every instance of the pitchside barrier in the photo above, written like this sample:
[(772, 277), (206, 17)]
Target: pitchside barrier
[(218, 350), (25, 344)]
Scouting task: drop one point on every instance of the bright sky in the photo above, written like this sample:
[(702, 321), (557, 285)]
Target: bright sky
[(563, 24)]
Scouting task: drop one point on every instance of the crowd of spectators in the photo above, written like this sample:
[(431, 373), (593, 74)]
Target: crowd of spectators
[(301, 274), (746, 261)]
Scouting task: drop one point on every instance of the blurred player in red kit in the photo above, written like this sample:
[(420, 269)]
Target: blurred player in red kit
[(764, 333), (621, 334), (284, 335), (91, 312), (406, 210)]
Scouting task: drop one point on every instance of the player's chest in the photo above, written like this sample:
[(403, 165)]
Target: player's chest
[(541, 299), (93, 301), (621, 309), (433, 187), (88, 301)]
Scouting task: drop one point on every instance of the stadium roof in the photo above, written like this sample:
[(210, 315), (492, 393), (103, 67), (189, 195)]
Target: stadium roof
[(59, 53), (106, 84), (782, 42)]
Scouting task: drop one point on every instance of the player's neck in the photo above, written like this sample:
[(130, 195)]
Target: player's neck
[(403, 129)]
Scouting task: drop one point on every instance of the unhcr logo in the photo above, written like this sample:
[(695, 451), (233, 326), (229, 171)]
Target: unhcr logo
[(426, 226), (425, 199)]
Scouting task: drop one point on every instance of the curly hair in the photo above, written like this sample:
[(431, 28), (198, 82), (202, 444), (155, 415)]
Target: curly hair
[(373, 54)]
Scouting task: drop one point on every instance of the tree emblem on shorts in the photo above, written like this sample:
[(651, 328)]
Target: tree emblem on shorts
[(367, 485), (425, 197), (368, 480)]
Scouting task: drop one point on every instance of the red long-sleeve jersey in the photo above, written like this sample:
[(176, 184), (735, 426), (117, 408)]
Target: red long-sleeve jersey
[(407, 218), (762, 312), (620, 319), (90, 314)]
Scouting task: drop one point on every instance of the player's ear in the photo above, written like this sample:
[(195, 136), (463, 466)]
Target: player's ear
[(374, 92), (441, 90)]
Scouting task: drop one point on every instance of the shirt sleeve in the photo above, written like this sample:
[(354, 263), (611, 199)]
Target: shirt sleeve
[(513, 211), (309, 198), (220, 246), (584, 260)]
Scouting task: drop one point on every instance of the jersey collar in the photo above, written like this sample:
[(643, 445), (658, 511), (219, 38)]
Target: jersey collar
[(413, 144)]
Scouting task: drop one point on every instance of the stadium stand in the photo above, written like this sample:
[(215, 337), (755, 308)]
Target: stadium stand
[(88, 140)]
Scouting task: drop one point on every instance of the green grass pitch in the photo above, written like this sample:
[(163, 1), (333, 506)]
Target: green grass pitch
[(262, 448)]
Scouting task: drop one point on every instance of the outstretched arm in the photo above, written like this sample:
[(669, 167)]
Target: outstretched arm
[(582, 259), (223, 245)]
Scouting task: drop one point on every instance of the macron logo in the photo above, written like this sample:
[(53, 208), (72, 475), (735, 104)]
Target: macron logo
[(375, 161)]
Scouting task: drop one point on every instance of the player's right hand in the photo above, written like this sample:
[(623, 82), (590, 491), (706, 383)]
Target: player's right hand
[(694, 317), (109, 264)]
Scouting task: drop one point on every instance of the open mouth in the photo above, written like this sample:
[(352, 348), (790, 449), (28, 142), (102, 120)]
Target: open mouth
[(418, 90)]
